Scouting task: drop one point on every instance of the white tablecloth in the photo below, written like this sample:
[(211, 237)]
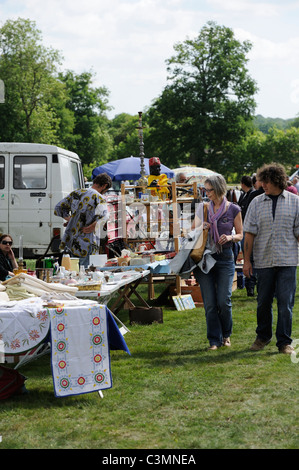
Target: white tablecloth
[(82, 333)]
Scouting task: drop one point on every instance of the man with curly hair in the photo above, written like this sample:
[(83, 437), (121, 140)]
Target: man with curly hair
[(271, 229), (85, 212)]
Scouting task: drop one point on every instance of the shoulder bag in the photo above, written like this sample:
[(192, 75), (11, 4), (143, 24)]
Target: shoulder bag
[(197, 253)]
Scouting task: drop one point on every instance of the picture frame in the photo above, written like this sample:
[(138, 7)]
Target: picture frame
[(187, 302), (178, 303)]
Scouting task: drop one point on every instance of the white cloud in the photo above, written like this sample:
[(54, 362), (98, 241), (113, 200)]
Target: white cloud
[(266, 49), (294, 96), (126, 42), (263, 9)]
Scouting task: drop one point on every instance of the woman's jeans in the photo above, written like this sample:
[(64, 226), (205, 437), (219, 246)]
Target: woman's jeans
[(216, 291), (281, 283)]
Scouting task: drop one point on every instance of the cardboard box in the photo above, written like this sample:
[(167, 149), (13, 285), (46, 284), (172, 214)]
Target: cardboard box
[(124, 261), (146, 316)]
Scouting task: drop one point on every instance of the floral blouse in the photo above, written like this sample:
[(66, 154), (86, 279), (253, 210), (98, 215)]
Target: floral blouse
[(85, 206)]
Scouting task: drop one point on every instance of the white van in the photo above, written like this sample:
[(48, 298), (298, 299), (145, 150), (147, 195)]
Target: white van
[(33, 179)]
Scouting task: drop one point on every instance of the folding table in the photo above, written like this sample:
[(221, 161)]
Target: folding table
[(124, 288)]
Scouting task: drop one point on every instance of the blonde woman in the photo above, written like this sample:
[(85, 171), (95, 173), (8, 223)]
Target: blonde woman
[(225, 227)]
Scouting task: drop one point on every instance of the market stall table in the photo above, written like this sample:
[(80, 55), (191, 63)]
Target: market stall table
[(82, 333), (124, 285), (157, 272)]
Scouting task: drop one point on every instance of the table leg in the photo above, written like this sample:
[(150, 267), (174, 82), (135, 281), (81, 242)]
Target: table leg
[(178, 285), (125, 295)]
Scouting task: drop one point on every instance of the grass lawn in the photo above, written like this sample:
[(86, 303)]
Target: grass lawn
[(171, 393)]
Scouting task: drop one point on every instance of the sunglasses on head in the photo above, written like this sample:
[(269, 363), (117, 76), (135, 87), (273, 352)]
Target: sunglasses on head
[(6, 242)]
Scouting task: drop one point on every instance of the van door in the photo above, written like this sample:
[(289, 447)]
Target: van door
[(4, 194), (29, 200)]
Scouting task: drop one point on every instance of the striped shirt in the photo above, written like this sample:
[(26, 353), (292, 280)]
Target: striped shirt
[(275, 242)]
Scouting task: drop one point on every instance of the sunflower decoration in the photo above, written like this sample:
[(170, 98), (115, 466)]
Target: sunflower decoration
[(75, 195), (82, 218), (77, 246)]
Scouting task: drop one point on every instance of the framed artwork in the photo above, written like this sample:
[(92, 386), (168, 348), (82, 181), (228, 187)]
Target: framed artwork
[(178, 303), (187, 302)]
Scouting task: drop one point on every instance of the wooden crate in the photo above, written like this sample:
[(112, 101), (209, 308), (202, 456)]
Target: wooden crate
[(195, 290)]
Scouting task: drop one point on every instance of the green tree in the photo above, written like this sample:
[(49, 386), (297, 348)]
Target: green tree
[(28, 71), (208, 104), (123, 130), (88, 105), (257, 148)]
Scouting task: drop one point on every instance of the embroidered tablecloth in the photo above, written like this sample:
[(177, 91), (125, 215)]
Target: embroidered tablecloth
[(23, 326), (81, 336), (80, 352)]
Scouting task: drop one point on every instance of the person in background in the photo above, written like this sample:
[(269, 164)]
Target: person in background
[(181, 178), (271, 229), (250, 282), (291, 188), (216, 285), (296, 183), (247, 190), (85, 211), (246, 185), (7, 258), (258, 190)]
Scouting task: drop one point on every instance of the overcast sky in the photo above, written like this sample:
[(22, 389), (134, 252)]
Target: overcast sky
[(126, 42)]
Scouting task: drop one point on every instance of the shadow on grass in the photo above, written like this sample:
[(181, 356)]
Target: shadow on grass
[(42, 396), (45, 399), (202, 355)]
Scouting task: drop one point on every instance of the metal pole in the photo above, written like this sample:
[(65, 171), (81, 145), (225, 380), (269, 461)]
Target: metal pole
[(143, 180)]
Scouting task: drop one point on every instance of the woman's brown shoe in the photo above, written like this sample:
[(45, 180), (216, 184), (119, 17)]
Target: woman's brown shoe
[(213, 347)]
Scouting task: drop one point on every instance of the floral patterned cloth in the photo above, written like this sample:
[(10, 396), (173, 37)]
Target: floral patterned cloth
[(85, 206), (22, 329)]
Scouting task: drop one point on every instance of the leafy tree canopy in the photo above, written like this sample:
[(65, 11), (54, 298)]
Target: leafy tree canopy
[(27, 69), (209, 102), (88, 106)]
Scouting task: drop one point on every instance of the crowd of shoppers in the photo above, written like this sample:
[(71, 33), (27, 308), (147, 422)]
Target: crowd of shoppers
[(263, 222)]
